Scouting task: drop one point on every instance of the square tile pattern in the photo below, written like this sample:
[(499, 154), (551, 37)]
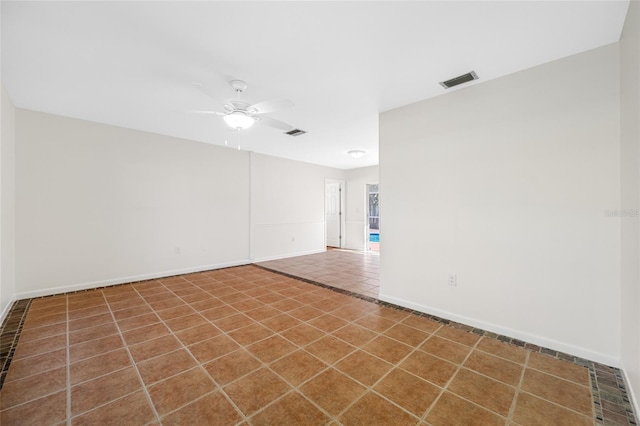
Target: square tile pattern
[(355, 271), (247, 346)]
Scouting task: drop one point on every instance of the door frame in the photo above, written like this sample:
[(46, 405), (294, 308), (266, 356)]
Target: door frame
[(367, 217), (343, 240)]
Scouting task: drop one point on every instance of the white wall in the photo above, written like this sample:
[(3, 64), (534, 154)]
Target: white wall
[(630, 190), (505, 184), (287, 207), (98, 204), (7, 204), (356, 211)]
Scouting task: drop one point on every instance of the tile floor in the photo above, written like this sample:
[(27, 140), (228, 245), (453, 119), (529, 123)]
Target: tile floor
[(355, 271), (248, 346)]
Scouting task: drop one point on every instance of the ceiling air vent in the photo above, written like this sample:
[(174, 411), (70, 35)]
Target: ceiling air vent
[(295, 132), (459, 80)]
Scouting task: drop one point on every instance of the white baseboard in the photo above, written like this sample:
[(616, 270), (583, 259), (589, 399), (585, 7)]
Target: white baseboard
[(632, 395), (526, 337), (286, 256), (124, 280), (6, 309)]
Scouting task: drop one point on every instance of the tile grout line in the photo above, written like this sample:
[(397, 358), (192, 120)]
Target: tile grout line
[(267, 366), (184, 347), (348, 322), (505, 339), (514, 403), (297, 389), (378, 334), (131, 360), (371, 388), (68, 364), (327, 368), (446, 385), (278, 333), (597, 402), (102, 375), (394, 365)]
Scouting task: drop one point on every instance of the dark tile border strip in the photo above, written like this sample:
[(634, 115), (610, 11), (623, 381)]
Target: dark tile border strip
[(10, 334), (611, 402), (612, 405)]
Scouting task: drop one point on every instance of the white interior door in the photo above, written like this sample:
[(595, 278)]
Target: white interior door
[(333, 214)]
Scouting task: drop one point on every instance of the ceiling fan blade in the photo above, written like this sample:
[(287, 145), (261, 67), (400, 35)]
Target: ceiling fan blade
[(270, 106), (207, 112), (272, 122)]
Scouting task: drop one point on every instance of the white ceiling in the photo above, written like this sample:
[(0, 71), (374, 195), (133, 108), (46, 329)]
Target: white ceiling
[(134, 64)]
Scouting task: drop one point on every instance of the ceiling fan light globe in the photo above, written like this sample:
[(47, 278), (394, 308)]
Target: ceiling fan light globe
[(239, 120)]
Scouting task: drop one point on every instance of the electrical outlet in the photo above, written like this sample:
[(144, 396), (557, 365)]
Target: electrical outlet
[(178, 250), (452, 279)]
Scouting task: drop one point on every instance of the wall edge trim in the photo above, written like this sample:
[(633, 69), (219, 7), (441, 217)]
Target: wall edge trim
[(129, 279), (526, 337), (632, 395), (7, 309)]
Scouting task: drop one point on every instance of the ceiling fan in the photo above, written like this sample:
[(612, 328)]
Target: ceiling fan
[(240, 115)]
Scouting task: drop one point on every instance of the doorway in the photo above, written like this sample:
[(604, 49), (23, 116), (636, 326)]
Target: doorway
[(373, 219), (333, 205)]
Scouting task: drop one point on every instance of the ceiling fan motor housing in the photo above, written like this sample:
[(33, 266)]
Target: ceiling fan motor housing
[(238, 85)]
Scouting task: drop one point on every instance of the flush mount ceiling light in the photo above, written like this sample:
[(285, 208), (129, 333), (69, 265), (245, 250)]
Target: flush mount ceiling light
[(356, 153), (239, 120)]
